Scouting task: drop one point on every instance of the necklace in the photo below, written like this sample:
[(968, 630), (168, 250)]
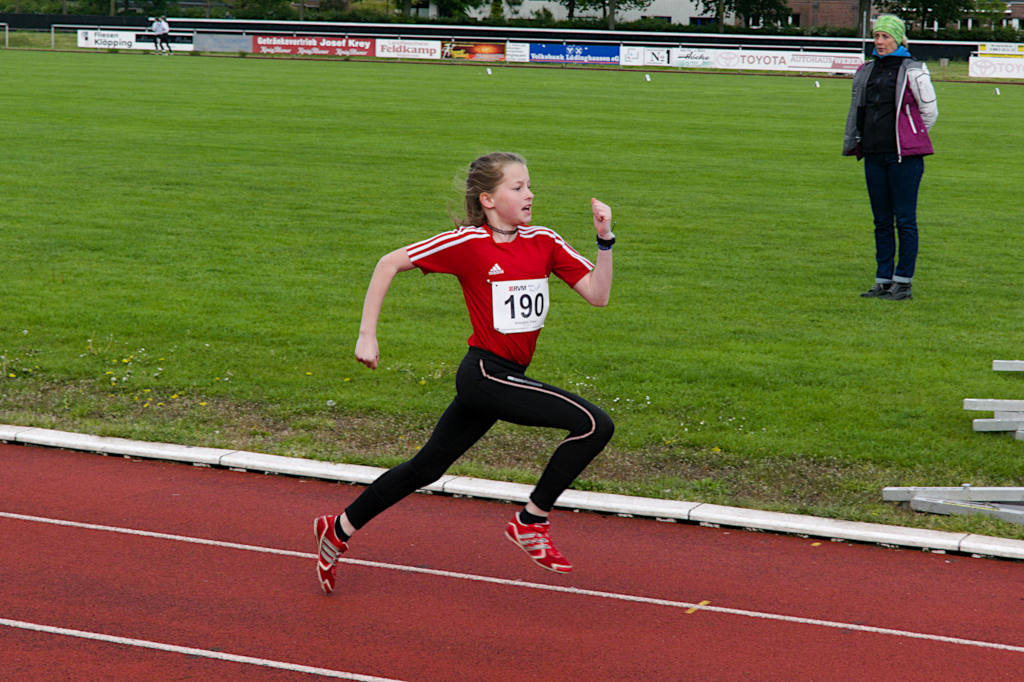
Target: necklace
[(504, 232)]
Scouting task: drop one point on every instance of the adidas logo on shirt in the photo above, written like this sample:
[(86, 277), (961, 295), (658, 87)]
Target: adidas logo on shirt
[(496, 270)]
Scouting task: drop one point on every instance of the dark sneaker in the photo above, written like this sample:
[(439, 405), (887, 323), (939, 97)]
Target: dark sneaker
[(898, 292), (879, 290), (535, 540)]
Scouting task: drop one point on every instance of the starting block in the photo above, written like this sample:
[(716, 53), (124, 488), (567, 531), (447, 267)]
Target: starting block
[(1008, 415), (1006, 504)]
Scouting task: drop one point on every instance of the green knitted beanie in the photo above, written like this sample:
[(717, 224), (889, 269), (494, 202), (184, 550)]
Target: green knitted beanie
[(894, 26)]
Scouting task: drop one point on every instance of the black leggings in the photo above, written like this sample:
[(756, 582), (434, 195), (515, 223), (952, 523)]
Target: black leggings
[(490, 388)]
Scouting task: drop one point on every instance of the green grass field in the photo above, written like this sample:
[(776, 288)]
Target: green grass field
[(187, 243)]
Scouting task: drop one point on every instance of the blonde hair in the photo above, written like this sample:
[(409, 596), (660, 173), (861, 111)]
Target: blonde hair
[(485, 174)]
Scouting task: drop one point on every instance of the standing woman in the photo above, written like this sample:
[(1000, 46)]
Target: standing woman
[(892, 109), (502, 263)]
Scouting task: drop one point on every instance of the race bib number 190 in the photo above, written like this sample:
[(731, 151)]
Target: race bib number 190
[(519, 305)]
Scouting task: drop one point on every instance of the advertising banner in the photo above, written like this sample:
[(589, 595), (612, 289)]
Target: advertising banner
[(831, 62), (130, 40), (408, 49), (1001, 49), (560, 53), (313, 45), (764, 60), (549, 53), (631, 55), (517, 52), (656, 56), (639, 55), (995, 67), (692, 58), (109, 40), (592, 54), (481, 52)]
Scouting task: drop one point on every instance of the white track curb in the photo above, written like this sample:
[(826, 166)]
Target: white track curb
[(670, 510)]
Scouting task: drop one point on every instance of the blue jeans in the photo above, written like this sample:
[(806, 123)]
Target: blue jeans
[(892, 188)]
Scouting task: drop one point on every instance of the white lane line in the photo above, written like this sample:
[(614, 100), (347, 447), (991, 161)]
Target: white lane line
[(173, 648), (654, 601), (162, 536)]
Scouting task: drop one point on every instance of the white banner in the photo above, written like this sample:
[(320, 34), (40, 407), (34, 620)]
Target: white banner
[(517, 52), (108, 40), (409, 49), (995, 67), (631, 55), (832, 62), (639, 55), (130, 40), (764, 60), (693, 57), (1001, 49)]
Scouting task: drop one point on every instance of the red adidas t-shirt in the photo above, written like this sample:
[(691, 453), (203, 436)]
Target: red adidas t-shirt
[(504, 284)]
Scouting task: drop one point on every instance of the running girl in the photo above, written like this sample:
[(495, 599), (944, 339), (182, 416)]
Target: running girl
[(502, 263)]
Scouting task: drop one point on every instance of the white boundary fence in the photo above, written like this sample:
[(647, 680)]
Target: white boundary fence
[(991, 60), (5, 34), (398, 46)]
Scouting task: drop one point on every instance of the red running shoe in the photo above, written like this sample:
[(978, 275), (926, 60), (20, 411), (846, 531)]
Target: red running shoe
[(328, 548), (534, 539)]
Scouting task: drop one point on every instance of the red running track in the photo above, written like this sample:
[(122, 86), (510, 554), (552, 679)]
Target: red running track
[(432, 590)]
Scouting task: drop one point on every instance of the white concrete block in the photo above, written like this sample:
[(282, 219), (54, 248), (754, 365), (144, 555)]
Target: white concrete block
[(438, 485), (829, 528), (294, 466), (1008, 365), (121, 446), (960, 492), (9, 433), (625, 504), (997, 424), (490, 490), (59, 439), (168, 451), (990, 546), (994, 404)]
